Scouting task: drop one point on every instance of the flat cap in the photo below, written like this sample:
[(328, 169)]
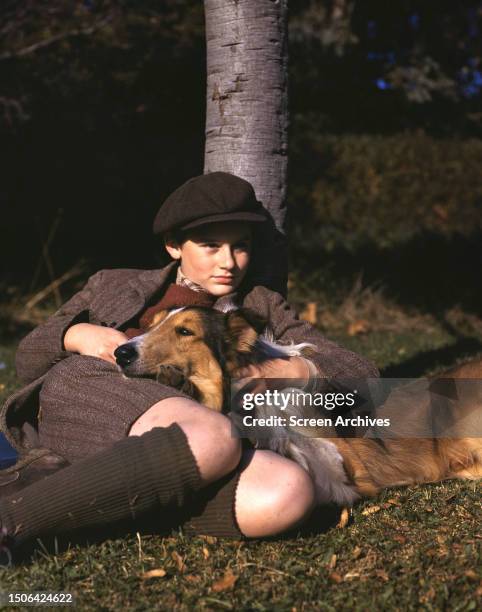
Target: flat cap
[(209, 198)]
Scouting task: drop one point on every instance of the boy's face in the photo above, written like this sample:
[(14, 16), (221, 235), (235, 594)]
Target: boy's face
[(216, 255)]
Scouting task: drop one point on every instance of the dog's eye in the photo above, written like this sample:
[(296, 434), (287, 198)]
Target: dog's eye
[(184, 331)]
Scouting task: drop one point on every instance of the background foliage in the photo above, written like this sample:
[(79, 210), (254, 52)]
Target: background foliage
[(102, 115)]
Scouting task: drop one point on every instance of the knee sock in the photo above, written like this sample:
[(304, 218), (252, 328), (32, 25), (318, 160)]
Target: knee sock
[(135, 476)]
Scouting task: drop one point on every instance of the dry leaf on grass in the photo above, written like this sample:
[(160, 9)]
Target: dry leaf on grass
[(181, 566), (371, 510), (471, 575), (382, 574), (154, 573), (428, 596), (351, 575), (205, 552), (335, 577), (400, 539), (344, 518), (332, 562), (192, 578), (356, 552), (227, 582), (358, 327)]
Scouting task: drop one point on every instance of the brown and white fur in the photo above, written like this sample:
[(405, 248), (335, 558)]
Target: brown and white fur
[(199, 349)]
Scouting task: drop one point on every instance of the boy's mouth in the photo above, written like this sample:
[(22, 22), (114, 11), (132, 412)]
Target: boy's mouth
[(227, 280)]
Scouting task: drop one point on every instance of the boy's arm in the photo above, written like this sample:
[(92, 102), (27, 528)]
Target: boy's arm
[(330, 359), (43, 347)]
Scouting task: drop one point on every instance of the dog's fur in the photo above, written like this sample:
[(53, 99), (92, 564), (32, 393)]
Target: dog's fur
[(199, 349)]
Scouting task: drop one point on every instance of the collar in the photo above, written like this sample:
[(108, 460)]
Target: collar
[(184, 281)]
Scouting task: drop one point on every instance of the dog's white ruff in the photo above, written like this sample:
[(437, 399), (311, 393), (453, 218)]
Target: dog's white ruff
[(318, 456)]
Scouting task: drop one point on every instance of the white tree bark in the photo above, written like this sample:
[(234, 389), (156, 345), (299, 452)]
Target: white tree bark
[(247, 108)]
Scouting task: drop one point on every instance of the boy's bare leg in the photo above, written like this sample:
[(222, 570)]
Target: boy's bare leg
[(274, 494), (183, 448)]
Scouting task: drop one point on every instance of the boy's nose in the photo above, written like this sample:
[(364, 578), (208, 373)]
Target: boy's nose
[(227, 258), (125, 354)]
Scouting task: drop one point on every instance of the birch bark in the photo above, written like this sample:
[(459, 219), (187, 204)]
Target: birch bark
[(247, 110)]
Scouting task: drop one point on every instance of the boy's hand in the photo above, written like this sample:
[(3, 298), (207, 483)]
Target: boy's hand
[(94, 340), (273, 374), (281, 368), (270, 375)]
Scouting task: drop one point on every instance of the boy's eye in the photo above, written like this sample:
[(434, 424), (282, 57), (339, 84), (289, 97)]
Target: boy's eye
[(211, 245), (183, 331), (242, 246)]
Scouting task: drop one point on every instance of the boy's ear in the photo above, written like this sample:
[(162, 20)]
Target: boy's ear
[(172, 247), (242, 329)]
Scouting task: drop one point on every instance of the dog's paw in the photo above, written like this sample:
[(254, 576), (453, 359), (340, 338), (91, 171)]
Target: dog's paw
[(171, 376), (189, 388)]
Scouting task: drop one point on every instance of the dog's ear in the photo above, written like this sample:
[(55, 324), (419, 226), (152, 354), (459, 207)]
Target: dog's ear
[(242, 329), (158, 317)]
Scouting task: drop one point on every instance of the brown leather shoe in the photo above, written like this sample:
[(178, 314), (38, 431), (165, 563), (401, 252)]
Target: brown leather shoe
[(37, 464)]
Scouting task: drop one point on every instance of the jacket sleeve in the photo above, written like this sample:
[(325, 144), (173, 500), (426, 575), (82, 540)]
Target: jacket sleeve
[(330, 359), (43, 347)]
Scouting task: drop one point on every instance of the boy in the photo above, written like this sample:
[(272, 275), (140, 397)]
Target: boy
[(178, 454)]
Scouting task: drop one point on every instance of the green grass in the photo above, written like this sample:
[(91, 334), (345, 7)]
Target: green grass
[(409, 549)]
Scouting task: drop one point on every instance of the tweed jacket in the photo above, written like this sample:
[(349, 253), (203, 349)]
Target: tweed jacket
[(113, 298)]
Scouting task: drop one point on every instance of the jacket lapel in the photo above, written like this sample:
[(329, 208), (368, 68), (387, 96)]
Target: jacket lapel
[(137, 293), (140, 289)]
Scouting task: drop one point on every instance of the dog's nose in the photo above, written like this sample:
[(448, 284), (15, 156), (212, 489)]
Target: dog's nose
[(125, 354)]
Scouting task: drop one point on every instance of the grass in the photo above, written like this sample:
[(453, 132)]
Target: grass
[(409, 549)]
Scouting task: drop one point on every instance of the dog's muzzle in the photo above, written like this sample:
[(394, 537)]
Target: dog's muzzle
[(125, 354)]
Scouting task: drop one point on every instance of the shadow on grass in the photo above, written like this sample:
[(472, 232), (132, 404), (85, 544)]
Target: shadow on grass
[(465, 348), (321, 520)]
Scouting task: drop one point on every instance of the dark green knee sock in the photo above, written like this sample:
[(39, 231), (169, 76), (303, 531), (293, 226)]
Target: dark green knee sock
[(137, 475)]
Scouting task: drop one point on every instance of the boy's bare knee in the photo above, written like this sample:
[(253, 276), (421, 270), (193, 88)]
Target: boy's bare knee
[(297, 496), (209, 434), (164, 413), (216, 450), (274, 495), (293, 495)]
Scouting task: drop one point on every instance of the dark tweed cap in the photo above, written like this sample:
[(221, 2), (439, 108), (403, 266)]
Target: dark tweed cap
[(217, 196)]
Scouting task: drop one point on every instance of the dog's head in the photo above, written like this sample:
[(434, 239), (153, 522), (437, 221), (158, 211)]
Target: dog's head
[(191, 339)]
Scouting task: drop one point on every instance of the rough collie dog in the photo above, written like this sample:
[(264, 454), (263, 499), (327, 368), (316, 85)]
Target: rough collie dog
[(198, 350)]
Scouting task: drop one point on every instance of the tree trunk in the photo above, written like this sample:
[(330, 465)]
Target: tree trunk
[(247, 110)]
